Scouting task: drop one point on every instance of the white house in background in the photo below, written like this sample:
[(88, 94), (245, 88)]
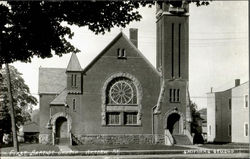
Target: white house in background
[(240, 113), (228, 114)]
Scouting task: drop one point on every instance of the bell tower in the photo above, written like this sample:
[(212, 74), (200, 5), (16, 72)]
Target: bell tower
[(172, 39), (173, 111)]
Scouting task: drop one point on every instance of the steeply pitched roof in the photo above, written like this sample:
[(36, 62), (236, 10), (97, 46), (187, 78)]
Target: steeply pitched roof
[(121, 34), (30, 127), (52, 80), (60, 99), (74, 64), (103, 51)]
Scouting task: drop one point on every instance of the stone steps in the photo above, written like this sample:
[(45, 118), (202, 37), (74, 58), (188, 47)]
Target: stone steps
[(63, 141), (181, 139)]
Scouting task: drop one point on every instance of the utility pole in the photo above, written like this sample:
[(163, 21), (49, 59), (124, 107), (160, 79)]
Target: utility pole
[(12, 110)]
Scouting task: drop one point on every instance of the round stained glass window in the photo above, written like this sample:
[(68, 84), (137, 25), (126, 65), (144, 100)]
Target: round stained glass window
[(121, 92)]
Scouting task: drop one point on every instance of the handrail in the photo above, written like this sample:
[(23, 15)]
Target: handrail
[(188, 134), (75, 139), (170, 139)]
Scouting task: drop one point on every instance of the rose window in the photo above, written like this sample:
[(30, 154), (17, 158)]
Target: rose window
[(121, 92)]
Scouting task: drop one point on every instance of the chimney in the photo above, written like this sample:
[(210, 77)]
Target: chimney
[(211, 89), (133, 36), (237, 82)]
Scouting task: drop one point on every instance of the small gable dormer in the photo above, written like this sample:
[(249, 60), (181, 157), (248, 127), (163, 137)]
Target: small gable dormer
[(74, 75)]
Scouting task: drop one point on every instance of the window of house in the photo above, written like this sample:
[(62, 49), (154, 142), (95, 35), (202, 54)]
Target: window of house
[(74, 104), (73, 80), (130, 118), (122, 92), (122, 106), (121, 53), (113, 118), (178, 95), (229, 130), (170, 95), (210, 131), (246, 129), (246, 101), (118, 53), (174, 95), (229, 103)]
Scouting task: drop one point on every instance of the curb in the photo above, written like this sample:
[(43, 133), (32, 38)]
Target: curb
[(122, 152)]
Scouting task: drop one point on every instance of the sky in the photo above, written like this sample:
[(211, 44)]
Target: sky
[(218, 47)]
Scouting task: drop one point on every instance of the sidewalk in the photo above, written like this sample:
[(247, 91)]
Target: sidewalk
[(64, 148), (190, 150), (66, 151), (194, 147), (184, 156)]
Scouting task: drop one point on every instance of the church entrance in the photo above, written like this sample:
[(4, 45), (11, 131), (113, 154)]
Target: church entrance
[(62, 135), (173, 123)]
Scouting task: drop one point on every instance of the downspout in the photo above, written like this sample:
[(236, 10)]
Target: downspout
[(153, 119), (153, 124)]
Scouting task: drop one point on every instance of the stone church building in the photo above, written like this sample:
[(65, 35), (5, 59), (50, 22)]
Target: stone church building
[(120, 98)]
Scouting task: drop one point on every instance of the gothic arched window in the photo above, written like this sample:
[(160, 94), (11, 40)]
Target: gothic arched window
[(122, 104), (121, 91)]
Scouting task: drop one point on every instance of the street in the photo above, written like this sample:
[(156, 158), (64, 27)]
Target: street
[(235, 155)]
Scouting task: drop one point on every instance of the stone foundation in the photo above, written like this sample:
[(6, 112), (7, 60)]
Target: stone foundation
[(159, 139), (113, 139), (45, 139), (117, 139)]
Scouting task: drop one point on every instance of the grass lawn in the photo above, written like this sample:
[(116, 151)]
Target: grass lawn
[(226, 146), (125, 147), (31, 147)]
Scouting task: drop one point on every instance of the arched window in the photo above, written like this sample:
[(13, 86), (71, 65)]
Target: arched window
[(121, 102), (121, 53), (121, 91), (73, 80), (74, 104), (118, 52), (174, 95)]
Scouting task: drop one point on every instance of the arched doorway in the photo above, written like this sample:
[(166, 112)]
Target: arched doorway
[(62, 133), (173, 123), (61, 128)]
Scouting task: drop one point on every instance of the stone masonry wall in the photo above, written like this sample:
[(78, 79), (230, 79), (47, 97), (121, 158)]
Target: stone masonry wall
[(117, 139), (45, 139), (159, 139)]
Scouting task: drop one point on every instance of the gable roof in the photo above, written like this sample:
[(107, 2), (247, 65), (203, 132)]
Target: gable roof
[(102, 52), (231, 88), (52, 80), (121, 34), (60, 99), (144, 58), (74, 64), (31, 127)]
